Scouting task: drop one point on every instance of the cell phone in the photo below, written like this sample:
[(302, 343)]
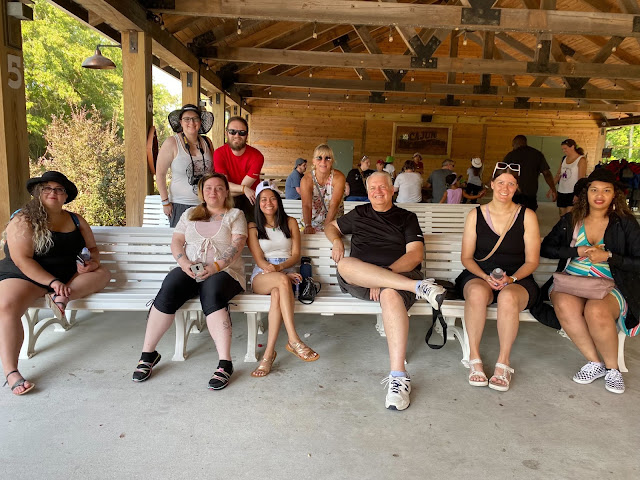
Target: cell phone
[(80, 260), (197, 269)]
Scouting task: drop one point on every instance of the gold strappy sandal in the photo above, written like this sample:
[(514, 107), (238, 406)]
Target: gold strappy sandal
[(302, 351), (265, 366)]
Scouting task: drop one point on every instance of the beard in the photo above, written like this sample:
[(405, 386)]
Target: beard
[(239, 145)]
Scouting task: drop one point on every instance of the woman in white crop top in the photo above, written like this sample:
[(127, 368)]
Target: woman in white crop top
[(274, 241)]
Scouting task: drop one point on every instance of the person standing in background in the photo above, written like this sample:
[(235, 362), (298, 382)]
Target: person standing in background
[(292, 185), (241, 164), (474, 181), (355, 188), (437, 180), (572, 169)]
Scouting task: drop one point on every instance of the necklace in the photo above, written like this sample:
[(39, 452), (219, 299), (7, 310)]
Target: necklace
[(272, 227)]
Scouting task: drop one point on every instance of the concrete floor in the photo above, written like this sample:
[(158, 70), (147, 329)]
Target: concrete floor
[(86, 419)]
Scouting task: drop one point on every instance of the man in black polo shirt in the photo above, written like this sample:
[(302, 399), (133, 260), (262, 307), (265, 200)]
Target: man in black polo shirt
[(387, 248), (532, 163)]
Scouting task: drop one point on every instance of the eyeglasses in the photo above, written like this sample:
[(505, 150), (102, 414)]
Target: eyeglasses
[(320, 158), (191, 119), (56, 190), (514, 167), (232, 132)]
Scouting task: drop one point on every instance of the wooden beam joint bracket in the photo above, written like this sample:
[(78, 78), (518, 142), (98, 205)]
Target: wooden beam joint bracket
[(133, 41), (521, 103), (549, 68), (485, 90), (342, 42), (636, 24), (449, 101), (420, 62), (425, 51), (377, 97), (575, 93), (480, 13)]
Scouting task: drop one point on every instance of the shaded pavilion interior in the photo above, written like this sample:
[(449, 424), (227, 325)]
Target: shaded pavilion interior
[(302, 72)]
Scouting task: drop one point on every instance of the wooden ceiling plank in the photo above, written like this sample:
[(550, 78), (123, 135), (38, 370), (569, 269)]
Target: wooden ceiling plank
[(357, 12)]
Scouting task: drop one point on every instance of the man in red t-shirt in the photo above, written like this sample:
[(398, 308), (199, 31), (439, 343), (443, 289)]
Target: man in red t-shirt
[(241, 164)]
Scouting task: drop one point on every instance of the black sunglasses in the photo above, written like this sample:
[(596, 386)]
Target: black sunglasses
[(232, 132)]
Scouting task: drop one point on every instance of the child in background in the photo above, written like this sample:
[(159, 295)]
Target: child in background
[(454, 193)]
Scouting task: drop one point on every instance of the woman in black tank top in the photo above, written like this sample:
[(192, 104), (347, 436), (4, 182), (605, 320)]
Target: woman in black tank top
[(517, 255), (41, 244)]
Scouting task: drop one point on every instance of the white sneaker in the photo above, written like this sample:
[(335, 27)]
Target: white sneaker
[(398, 392), (613, 381), (590, 372), (430, 291)]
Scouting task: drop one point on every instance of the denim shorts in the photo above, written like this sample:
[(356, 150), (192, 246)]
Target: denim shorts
[(274, 261)]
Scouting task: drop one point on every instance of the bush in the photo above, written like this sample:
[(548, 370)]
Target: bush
[(89, 151)]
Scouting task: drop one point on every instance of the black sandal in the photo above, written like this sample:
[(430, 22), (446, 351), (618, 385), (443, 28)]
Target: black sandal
[(219, 379), (144, 369), (19, 383)]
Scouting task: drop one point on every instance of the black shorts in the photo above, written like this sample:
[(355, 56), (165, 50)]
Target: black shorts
[(528, 283), (408, 298), (178, 287), (564, 200)]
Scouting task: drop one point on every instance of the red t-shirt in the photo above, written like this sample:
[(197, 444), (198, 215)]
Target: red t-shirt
[(237, 167)]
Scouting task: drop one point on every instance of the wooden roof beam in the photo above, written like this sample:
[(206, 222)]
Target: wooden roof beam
[(401, 62), (358, 12)]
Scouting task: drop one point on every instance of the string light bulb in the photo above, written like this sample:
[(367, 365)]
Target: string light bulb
[(310, 73), (347, 95), (613, 49), (239, 31), (464, 39), (501, 100), (309, 93), (259, 71), (390, 34), (315, 32)]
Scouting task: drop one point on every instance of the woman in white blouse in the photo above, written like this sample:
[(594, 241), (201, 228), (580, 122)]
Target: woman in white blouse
[(207, 243), (274, 241)]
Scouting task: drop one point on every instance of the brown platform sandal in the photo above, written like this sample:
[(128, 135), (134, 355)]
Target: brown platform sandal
[(303, 352), (265, 366)]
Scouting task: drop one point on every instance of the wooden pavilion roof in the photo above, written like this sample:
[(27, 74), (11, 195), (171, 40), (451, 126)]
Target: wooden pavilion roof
[(553, 55)]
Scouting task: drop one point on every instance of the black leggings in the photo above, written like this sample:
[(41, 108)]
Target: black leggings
[(178, 287)]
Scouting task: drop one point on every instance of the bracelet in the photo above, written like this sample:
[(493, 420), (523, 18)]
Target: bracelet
[(515, 279), (166, 202), (217, 266), (54, 280)]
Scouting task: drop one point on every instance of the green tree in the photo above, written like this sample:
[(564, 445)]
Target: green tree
[(163, 104), (90, 152), (54, 46)]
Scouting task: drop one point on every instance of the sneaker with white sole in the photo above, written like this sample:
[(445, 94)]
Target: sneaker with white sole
[(613, 381), (430, 291), (398, 392), (590, 372)]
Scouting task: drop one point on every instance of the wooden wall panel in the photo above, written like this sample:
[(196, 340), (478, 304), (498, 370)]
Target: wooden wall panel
[(284, 134)]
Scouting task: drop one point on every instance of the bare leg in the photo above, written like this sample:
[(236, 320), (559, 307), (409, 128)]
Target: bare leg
[(16, 295), (396, 326), (157, 325), (357, 272), (477, 295), (219, 325), (601, 318), (84, 284), (511, 301), (570, 312)]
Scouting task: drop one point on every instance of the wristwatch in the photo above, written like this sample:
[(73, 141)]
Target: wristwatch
[(513, 278)]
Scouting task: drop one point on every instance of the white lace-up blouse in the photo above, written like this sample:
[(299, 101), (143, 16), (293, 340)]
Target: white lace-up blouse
[(207, 250)]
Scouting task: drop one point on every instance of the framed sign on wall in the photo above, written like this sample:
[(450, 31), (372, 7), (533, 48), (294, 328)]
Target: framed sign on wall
[(430, 140)]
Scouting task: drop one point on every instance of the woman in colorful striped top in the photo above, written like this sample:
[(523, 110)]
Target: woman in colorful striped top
[(599, 238)]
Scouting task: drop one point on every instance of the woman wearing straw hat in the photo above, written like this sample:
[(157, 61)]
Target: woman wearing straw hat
[(474, 181), (41, 245), (189, 155)]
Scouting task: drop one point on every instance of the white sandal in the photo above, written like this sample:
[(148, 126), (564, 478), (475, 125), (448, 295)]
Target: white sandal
[(507, 371), (477, 373)]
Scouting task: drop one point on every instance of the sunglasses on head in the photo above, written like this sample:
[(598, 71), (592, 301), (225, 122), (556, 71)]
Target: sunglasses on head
[(320, 158), (232, 131), (514, 167)]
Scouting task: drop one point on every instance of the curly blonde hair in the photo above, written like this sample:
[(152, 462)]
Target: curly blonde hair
[(36, 215)]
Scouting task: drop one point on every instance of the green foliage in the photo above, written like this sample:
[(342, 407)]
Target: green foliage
[(621, 139), (163, 104), (90, 152), (54, 46)]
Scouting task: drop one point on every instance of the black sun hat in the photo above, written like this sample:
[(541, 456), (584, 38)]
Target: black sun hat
[(607, 176), (205, 117), (53, 176)]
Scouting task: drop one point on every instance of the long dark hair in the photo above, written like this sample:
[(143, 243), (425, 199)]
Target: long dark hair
[(617, 207), (282, 219)]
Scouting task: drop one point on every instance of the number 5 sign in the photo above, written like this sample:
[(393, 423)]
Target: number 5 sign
[(14, 68)]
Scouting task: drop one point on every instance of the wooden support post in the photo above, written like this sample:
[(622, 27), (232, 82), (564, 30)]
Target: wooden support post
[(14, 143), (138, 118), (190, 87), (218, 109)]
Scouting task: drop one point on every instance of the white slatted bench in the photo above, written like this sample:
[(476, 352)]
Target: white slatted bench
[(442, 261), (139, 259)]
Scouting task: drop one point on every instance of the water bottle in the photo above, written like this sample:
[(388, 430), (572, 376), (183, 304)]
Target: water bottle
[(497, 275), (85, 254)]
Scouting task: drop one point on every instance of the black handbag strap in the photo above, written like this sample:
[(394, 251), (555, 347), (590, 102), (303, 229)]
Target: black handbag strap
[(437, 316)]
